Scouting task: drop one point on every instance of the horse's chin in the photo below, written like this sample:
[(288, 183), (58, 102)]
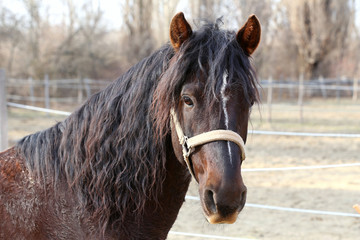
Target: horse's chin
[(218, 219)]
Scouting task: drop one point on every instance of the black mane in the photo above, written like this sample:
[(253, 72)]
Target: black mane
[(111, 151), (105, 149)]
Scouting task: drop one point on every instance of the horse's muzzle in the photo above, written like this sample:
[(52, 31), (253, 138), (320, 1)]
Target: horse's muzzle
[(224, 205)]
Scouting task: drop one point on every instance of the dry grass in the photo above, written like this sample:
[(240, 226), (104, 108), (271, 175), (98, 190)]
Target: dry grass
[(318, 116), (334, 189)]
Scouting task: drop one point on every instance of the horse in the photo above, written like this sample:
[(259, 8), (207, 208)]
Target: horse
[(120, 165)]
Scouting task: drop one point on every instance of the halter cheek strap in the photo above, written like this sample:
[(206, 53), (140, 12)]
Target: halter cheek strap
[(189, 144)]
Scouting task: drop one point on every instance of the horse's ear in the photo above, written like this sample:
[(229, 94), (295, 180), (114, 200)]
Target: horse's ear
[(249, 35), (180, 30)]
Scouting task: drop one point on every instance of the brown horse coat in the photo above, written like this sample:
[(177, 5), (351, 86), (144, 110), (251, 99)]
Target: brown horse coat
[(114, 169)]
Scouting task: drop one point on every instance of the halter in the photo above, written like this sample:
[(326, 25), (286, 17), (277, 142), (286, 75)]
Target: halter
[(189, 144)]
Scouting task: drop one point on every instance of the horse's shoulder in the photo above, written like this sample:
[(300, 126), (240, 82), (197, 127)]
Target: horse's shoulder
[(12, 167), (18, 201)]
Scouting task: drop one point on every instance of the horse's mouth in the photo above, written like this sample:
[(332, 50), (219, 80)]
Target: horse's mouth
[(218, 219), (222, 215)]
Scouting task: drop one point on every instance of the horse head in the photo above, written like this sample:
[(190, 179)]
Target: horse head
[(212, 98)]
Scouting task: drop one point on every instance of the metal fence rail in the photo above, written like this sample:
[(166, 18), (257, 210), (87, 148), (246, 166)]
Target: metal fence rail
[(321, 85)]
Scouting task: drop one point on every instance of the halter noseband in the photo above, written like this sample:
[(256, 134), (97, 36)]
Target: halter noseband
[(189, 144)]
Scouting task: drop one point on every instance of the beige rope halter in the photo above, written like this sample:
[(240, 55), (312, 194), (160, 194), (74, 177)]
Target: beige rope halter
[(189, 144)]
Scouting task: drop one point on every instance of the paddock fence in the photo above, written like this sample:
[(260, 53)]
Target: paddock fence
[(35, 93), (69, 93), (251, 205), (44, 91)]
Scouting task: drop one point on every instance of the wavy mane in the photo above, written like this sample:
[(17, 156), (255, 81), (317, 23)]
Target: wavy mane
[(106, 150), (111, 151)]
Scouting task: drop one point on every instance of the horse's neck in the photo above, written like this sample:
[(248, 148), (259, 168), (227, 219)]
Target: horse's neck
[(177, 179), (159, 217)]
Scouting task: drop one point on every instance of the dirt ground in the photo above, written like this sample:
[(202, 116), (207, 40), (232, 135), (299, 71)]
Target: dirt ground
[(334, 189)]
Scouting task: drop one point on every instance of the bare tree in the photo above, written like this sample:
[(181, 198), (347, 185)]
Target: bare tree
[(139, 41), (350, 64), (84, 45), (240, 10), (165, 11), (318, 37), (10, 38), (33, 36), (319, 29), (205, 9), (66, 50)]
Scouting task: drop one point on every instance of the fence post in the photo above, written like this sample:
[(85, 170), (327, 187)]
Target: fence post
[(80, 90), (31, 88), (322, 86), (301, 96), (3, 112), (46, 91), (338, 83), (87, 87), (291, 90), (281, 89), (355, 89), (269, 98)]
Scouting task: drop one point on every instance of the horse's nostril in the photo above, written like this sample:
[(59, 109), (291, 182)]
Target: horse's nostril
[(210, 201)]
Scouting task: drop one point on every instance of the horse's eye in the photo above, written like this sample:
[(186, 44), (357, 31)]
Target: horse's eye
[(187, 100)]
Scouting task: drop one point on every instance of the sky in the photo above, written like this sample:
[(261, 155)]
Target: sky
[(56, 9), (111, 8)]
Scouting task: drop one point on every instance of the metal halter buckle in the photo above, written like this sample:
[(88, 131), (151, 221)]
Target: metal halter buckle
[(186, 148)]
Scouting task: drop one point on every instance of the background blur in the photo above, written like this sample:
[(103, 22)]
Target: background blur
[(101, 39), (57, 53)]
